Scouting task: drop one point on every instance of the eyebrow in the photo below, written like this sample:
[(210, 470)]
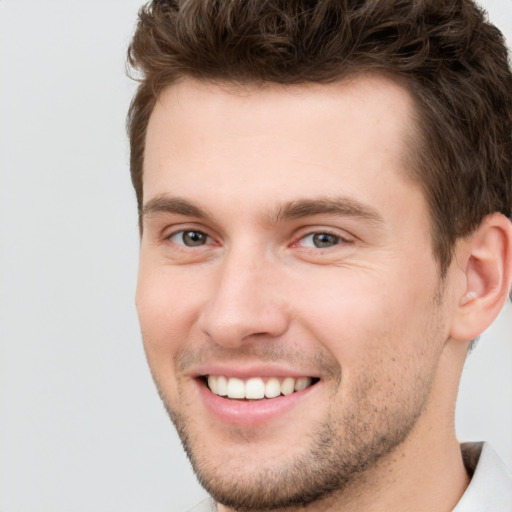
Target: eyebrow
[(341, 206), (172, 205)]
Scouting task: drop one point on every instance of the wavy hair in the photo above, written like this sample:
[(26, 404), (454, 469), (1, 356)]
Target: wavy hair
[(446, 53)]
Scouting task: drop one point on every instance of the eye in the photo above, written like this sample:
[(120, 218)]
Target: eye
[(320, 240), (190, 238)]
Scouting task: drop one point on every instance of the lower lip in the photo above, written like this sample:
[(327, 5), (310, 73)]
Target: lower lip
[(246, 413)]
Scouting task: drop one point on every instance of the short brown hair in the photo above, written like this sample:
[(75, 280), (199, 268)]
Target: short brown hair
[(452, 60)]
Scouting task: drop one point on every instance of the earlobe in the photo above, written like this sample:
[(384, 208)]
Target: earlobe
[(487, 264)]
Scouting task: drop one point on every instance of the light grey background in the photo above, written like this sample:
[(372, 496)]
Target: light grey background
[(81, 427)]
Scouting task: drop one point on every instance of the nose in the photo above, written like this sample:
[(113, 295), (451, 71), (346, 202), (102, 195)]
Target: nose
[(245, 303)]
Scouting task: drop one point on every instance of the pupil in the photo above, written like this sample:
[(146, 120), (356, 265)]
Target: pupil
[(194, 238), (324, 240)]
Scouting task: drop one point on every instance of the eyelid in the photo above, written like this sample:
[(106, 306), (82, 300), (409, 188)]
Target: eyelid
[(183, 231), (171, 231), (344, 237)]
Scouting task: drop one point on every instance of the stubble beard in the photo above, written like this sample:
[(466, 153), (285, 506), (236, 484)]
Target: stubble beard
[(335, 456)]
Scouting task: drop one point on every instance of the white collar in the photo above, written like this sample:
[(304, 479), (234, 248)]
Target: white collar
[(490, 489)]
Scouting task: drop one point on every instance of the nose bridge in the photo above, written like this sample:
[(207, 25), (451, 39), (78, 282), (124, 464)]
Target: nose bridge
[(244, 300)]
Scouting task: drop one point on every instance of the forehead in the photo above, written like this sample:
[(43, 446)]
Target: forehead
[(276, 141)]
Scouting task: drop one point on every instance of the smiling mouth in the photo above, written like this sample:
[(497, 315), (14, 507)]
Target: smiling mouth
[(256, 388)]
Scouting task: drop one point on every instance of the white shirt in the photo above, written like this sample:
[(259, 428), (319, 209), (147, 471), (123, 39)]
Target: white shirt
[(490, 489)]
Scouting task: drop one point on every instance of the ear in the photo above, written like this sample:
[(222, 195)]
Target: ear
[(486, 260)]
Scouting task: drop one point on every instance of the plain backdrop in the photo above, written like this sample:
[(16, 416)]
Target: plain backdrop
[(81, 426)]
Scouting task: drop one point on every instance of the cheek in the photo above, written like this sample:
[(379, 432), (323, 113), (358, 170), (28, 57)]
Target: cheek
[(386, 341), (364, 312), (167, 307)]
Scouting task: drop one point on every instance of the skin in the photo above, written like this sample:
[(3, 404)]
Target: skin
[(367, 315)]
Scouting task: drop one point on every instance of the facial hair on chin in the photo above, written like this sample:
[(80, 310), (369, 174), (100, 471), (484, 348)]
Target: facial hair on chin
[(334, 455)]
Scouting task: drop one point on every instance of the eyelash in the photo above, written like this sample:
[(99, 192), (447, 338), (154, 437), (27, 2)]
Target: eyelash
[(339, 239), (208, 239), (183, 232)]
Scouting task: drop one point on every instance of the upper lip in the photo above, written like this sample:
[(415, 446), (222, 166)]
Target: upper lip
[(247, 371)]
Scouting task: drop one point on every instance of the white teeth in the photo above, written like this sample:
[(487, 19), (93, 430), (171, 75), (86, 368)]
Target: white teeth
[(212, 384), (256, 388), (236, 388), (222, 386), (288, 386), (272, 388), (301, 383)]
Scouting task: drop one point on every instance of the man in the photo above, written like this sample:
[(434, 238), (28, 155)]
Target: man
[(325, 194)]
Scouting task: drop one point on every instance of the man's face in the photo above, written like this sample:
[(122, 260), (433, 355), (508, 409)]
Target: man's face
[(283, 243)]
